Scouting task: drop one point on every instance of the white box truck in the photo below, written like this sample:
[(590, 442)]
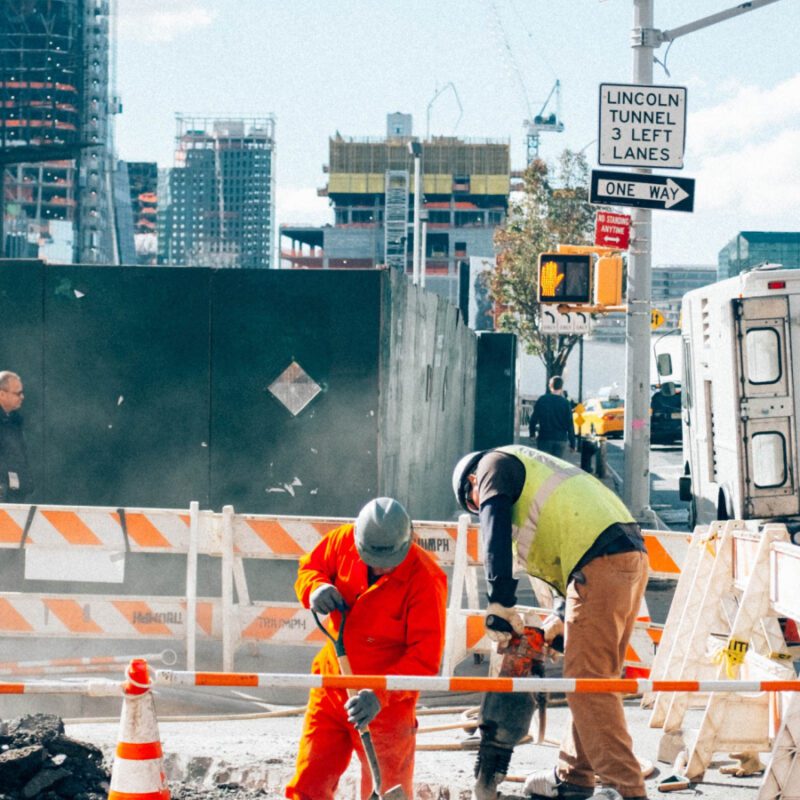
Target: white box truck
[(740, 404)]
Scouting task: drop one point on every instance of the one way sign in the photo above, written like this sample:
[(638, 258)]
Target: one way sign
[(643, 191)]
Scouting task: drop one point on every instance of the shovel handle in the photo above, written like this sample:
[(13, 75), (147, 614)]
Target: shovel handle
[(338, 641), (344, 668)]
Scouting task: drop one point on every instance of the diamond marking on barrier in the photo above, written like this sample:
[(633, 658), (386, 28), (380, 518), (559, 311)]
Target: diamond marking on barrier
[(294, 388)]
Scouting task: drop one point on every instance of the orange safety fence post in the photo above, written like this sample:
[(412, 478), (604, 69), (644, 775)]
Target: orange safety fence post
[(138, 771)]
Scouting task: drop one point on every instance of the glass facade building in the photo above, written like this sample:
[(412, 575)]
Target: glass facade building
[(748, 249)]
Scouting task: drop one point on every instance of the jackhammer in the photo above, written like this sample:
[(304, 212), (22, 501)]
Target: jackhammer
[(505, 718)]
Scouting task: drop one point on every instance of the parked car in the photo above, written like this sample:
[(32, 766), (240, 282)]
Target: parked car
[(604, 416), (665, 415)]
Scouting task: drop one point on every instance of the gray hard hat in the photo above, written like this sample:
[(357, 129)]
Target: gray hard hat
[(463, 469), (383, 533)]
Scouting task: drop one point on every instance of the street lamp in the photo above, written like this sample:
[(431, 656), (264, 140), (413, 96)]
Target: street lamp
[(415, 150)]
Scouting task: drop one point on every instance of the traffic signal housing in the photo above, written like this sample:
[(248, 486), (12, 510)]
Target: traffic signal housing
[(565, 278), (608, 281)]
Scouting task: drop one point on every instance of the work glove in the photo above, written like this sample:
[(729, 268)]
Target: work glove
[(498, 619), (326, 598), (362, 708), (553, 626)]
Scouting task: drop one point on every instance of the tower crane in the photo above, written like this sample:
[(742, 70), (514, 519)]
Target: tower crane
[(544, 122)]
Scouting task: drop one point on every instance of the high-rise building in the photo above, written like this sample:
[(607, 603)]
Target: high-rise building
[(750, 248), (143, 181), (216, 206), (55, 143), (465, 188)]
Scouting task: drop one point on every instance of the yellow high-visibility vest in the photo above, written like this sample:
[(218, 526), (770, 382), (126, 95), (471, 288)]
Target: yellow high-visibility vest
[(559, 515)]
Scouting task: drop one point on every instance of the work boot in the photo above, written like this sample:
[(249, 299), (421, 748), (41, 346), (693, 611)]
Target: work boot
[(491, 768), (545, 783)]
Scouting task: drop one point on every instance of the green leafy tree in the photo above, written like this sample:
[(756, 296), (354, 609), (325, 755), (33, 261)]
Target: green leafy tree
[(553, 208)]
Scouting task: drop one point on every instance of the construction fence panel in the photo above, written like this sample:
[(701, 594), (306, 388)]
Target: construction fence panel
[(127, 382)]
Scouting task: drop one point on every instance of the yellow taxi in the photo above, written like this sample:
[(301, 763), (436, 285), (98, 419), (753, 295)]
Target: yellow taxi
[(604, 416)]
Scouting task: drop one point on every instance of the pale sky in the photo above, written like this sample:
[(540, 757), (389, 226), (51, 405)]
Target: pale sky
[(323, 66)]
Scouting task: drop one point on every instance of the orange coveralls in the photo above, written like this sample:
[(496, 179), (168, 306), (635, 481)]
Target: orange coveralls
[(396, 626)]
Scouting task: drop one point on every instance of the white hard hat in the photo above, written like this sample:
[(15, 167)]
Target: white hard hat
[(463, 469), (383, 533)]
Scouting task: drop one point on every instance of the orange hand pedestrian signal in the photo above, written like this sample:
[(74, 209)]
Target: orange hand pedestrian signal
[(550, 278), (565, 278)]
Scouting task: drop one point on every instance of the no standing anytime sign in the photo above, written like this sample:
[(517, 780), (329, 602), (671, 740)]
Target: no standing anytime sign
[(642, 126)]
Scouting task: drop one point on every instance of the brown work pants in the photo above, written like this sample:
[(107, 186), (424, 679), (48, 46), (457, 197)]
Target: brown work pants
[(599, 620)]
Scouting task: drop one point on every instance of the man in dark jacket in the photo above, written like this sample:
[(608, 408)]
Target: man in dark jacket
[(552, 416), (15, 477)]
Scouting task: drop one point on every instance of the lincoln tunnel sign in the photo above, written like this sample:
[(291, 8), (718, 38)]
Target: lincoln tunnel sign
[(642, 126)]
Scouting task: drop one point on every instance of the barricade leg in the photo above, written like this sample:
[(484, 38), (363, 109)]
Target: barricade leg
[(782, 778), (664, 658), (686, 648), (742, 722)]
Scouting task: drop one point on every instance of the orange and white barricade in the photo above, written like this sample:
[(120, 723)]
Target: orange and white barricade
[(721, 626)]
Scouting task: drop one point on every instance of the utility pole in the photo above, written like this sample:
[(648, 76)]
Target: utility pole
[(636, 484), (645, 39)]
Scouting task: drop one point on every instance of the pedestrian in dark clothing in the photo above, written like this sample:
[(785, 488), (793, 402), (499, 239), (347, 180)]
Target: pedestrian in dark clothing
[(15, 478), (551, 422)]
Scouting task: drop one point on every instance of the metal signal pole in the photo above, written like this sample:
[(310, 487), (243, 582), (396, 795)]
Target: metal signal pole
[(636, 491), (636, 487)]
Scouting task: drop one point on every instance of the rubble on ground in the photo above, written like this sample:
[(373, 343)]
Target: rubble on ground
[(38, 761)]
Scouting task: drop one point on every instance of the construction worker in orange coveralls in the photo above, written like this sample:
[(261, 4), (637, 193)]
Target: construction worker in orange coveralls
[(394, 597)]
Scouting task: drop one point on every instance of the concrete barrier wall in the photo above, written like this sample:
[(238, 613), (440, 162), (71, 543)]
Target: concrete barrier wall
[(428, 376)]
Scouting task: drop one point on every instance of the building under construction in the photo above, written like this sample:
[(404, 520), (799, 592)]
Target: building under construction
[(216, 206), (465, 185), (143, 182), (54, 130)]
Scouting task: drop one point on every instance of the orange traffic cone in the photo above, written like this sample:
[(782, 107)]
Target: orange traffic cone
[(138, 772)]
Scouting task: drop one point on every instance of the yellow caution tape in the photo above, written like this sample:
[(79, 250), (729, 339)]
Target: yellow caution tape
[(732, 655), (781, 656)]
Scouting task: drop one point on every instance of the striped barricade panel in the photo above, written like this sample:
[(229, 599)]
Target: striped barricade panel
[(146, 530), (262, 536), (666, 552), (103, 617), (279, 623)]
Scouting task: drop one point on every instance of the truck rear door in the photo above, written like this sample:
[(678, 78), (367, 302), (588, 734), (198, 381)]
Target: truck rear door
[(769, 487)]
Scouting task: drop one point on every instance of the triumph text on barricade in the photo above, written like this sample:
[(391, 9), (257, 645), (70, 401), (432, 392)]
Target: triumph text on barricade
[(642, 126)]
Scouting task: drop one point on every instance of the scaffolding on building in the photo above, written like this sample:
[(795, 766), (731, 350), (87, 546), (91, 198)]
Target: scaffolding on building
[(53, 90), (443, 155), (396, 219)]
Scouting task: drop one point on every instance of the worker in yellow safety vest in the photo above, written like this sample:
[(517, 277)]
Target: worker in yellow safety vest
[(554, 521)]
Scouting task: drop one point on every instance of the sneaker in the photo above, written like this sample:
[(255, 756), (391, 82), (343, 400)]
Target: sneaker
[(545, 783)]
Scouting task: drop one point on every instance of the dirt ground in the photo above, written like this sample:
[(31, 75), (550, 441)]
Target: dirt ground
[(249, 759)]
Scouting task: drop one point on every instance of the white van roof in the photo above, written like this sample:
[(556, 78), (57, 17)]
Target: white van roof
[(765, 280)]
